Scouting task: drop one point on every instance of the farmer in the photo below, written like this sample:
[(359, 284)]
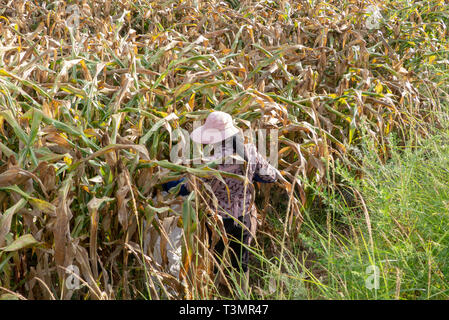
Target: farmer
[(237, 207)]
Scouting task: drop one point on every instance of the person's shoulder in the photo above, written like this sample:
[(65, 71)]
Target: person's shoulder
[(251, 152), (250, 147)]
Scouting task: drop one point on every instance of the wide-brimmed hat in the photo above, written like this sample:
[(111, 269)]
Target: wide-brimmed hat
[(218, 127)]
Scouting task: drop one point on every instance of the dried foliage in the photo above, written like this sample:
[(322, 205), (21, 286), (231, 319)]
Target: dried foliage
[(89, 99)]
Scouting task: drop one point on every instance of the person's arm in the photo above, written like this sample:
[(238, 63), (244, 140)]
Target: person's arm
[(171, 184), (264, 172)]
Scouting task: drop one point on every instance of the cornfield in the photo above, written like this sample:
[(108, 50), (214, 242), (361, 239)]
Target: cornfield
[(92, 91)]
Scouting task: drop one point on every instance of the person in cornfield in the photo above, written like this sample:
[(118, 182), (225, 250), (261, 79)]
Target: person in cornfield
[(236, 207)]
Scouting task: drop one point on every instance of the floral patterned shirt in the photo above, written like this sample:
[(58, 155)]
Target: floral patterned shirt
[(239, 201)]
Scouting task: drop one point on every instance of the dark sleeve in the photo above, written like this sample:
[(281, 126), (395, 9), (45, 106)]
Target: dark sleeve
[(171, 184)]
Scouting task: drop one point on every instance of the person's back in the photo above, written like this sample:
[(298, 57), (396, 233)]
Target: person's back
[(235, 197)]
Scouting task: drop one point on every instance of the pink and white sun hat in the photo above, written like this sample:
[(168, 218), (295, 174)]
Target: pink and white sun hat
[(218, 127)]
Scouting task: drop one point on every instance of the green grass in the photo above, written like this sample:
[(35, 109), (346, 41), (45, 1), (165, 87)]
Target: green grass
[(405, 211)]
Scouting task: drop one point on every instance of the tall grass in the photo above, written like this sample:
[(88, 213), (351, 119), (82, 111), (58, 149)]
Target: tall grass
[(89, 104), (395, 218)]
